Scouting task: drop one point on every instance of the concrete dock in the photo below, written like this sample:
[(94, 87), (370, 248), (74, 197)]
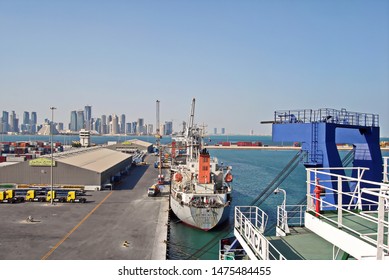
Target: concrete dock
[(122, 224)]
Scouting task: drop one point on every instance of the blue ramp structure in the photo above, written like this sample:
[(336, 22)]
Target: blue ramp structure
[(320, 131)]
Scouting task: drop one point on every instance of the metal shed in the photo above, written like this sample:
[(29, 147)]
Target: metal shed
[(86, 167)]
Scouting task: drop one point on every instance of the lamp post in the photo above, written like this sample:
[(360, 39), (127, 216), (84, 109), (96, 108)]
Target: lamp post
[(51, 143), (284, 218), (276, 191)]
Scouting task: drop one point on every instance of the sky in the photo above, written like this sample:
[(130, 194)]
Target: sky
[(241, 60)]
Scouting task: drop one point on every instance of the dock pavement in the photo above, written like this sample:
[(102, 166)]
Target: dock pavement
[(122, 224)]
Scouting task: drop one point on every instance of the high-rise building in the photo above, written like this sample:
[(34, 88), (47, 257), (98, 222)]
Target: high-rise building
[(97, 125), (60, 126), (141, 126), (168, 128), (88, 117), (25, 126), (80, 120), (14, 122), (114, 125), (73, 121), (223, 130), (150, 129), (26, 117), (33, 123), (4, 122), (128, 128), (123, 124), (215, 131), (134, 126), (104, 129)]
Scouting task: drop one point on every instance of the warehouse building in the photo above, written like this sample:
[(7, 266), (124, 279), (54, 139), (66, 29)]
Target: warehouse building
[(89, 167), (132, 146)]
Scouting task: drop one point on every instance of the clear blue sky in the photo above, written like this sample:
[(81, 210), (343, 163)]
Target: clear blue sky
[(241, 60)]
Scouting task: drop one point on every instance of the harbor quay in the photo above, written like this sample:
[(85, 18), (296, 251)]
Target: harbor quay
[(119, 224)]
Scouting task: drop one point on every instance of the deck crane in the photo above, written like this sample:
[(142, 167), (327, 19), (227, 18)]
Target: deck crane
[(190, 129)]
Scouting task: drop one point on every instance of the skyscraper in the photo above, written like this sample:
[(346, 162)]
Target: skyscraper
[(123, 124), (33, 123), (4, 121), (14, 122), (104, 129), (141, 126), (168, 128), (115, 125), (80, 120), (73, 121), (88, 117)]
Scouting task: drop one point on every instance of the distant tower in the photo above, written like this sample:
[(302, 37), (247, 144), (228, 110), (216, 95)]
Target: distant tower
[(98, 125), (14, 121), (60, 126), (4, 121), (26, 118), (123, 124), (104, 129), (215, 131), (88, 117), (33, 123), (168, 128), (150, 129), (128, 128), (141, 128), (25, 127), (115, 125), (73, 121), (134, 125), (80, 120), (223, 130)]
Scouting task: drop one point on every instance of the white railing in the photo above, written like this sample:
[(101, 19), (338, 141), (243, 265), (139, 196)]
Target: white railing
[(373, 209), (250, 223), (386, 170), (327, 115), (292, 215)]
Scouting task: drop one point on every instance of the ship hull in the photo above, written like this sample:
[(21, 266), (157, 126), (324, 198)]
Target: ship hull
[(204, 218)]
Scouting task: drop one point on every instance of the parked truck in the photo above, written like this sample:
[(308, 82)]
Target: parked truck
[(33, 196), (69, 197), (9, 196)]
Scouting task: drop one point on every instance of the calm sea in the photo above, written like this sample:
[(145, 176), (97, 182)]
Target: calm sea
[(253, 171)]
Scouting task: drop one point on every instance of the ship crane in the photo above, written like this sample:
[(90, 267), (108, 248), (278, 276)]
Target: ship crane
[(190, 128)]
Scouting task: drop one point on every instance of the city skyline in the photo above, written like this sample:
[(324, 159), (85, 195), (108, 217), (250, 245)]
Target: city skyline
[(241, 60), (89, 123)]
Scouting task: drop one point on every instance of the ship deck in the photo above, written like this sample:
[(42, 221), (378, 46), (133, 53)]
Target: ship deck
[(122, 224), (304, 244)]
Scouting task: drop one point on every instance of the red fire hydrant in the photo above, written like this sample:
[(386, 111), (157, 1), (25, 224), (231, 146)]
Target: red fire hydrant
[(317, 192)]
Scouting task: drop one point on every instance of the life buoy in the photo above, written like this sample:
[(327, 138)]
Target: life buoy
[(228, 178), (178, 177)]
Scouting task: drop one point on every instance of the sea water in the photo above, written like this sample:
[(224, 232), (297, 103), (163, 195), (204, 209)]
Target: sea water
[(253, 171)]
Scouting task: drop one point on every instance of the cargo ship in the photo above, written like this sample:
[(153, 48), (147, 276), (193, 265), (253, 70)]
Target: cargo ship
[(200, 186)]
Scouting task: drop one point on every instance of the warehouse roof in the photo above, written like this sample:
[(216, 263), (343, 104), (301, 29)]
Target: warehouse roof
[(95, 159), (139, 143)]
